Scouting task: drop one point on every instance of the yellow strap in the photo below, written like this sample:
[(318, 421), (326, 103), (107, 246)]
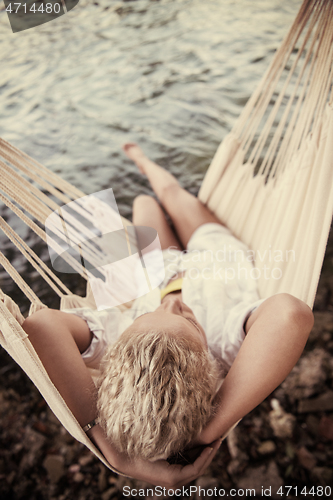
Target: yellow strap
[(173, 286)]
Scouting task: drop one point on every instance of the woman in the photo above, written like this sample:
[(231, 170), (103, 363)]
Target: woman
[(259, 340)]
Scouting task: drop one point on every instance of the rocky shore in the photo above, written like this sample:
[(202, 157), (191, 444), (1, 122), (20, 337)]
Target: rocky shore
[(284, 445)]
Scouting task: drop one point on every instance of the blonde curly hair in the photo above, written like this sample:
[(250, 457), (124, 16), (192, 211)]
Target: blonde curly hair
[(155, 393)]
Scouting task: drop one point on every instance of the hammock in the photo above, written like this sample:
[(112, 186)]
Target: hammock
[(271, 182)]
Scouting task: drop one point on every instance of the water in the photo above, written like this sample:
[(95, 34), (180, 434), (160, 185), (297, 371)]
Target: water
[(172, 75)]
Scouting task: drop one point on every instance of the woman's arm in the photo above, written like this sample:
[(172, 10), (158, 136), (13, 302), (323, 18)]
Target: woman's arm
[(276, 335), (59, 338)]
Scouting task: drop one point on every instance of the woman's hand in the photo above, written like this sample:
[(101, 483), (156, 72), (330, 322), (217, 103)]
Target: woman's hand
[(158, 473), (161, 473)]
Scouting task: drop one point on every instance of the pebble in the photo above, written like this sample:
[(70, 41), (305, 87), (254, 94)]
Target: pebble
[(308, 376), (312, 424), (232, 442), (326, 427), (74, 468), (102, 479), (323, 324), (266, 477), (234, 466), (33, 443), (41, 427), (281, 422), (324, 475), (78, 477), (289, 450), (324, 402), (206, 483), (306, 459), (266, 448), (86, 459), (108, 493), (54, 464)]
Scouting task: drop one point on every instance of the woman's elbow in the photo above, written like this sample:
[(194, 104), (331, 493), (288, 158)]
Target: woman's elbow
[(35, 324), (296, 315)]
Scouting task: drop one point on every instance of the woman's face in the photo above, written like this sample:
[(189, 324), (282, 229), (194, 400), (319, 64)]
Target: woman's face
[(174, 316)]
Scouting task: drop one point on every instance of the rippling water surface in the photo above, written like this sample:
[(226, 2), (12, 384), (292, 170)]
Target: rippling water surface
[(172, 75)]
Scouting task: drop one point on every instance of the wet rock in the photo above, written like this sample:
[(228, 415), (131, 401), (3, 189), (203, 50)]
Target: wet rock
[(289, 450), (42, 428), (308, 376), (326, 428), (266, 448), (54, 464), (78, 477), (205, 483), (281, 422), (312, 424), (257, 423), (232, 444), (102, 479), (234, 450), (324, 475), (33, 440), (238, 457), (235, 466), (320, 456), (33, 443), (74, 468), (323, 324), (109, 493), (306, 459), (324, 402), (326, 337), (330, 366), (119, 481), (322, 298), (86, 459), (263, 477), (64, 436)]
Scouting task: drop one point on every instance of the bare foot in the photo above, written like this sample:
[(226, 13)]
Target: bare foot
[(135, 153)]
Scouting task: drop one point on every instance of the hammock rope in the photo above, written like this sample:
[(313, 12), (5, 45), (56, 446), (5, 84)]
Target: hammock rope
[(271, 179), (320, 34), (34, 260)]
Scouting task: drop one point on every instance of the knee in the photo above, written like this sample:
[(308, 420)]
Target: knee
[(143, 201), (143, 204), (295, 312)]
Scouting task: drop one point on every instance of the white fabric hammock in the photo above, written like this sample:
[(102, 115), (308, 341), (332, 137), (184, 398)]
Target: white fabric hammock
[(271, 180), (284, 136)]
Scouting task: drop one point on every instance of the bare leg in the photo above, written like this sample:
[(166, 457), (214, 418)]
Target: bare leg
[(186, 211), (147, 212)]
